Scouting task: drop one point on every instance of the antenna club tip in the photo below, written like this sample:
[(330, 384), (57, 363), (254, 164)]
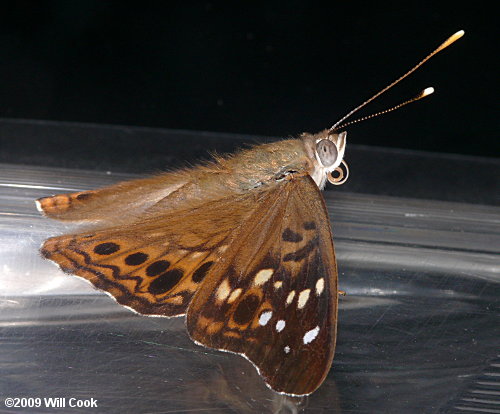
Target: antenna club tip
[(452, 39), (427, 91)]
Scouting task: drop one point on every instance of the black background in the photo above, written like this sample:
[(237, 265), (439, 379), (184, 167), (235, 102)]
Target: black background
[(267, 68)]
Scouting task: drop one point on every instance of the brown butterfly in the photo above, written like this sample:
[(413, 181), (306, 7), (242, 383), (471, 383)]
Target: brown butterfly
[(242, 245)]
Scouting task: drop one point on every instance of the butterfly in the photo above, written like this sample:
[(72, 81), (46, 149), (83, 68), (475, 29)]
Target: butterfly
[(241, 246)]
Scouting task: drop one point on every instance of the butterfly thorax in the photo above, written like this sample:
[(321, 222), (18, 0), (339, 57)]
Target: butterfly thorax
[(268, 164)]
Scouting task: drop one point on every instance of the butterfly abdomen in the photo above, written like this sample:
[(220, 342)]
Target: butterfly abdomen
[(56, 206)]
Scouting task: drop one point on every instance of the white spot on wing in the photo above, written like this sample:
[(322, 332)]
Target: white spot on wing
[(280, 325), (39, 206), (290, 297), (303, 298), (265, 317), (311, 335), (223, 290), (262, 276), (286, 349), (320, 286), (278, 284), (234, 295)]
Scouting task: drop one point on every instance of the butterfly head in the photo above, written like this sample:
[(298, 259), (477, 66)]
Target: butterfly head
[(326, 152)]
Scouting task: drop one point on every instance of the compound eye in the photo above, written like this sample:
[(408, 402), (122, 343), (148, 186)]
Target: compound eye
[(327, 152)]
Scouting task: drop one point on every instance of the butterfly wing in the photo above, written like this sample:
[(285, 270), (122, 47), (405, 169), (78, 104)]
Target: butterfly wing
[(273, 298), (155, 264)]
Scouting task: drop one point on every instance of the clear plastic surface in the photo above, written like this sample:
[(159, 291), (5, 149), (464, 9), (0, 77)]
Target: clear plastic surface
[(418, 328)]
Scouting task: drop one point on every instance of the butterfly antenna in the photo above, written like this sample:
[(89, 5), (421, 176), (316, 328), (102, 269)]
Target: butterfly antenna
[(444, 45), (423, 94)]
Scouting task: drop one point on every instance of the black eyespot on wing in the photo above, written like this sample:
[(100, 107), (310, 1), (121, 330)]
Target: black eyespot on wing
[(106, 248), (246, 309), (201, 272), (165, 282), (135, 259), (156, 268), (290, 236), (309, 225)]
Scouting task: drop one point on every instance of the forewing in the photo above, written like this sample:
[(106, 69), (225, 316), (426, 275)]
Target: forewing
[(153, 265), (273, 298)]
